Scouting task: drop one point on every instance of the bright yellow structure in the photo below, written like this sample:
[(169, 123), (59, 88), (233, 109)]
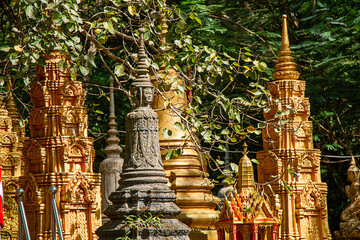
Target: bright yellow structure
[(12, 165), (290, 149), (252, 212), (59, 153), (187, 173)]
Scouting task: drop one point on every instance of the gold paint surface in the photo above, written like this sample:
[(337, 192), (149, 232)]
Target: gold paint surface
[(187, 174), (59, 153), (305, 213), (12, 165)]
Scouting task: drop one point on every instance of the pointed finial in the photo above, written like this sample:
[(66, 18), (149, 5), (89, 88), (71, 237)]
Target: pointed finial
[(285, 35), (246, 183), (245, 147), (164, 29), (286, 68), (142, 79), (352, 161)]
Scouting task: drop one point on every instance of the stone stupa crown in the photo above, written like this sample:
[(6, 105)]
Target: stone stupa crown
[(142, 78)]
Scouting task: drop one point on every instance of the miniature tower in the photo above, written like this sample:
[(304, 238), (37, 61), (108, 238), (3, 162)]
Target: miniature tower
[(110, 168), (290, 149), (143, 186), (187, 174), (59, 153), (251, 212), (11, 169)]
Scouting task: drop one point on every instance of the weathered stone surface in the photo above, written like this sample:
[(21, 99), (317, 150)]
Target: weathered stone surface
[(143, 186), (110, 168), (350, 217)]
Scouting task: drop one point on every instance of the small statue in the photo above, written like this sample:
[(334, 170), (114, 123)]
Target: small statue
[(352, 212)]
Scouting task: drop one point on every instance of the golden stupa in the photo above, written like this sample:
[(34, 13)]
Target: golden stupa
[(11, 161), (290, 150), (187, 173), (59, 153)]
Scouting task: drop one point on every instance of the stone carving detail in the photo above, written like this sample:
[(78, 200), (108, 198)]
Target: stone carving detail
[(305, 211), (59, 153), (143, 186)]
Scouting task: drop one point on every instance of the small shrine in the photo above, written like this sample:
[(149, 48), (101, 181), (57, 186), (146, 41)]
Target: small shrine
[(59, 153), (12, 166), (251, 212), (349, 218), (187, 173), (304, 208), (143, 190)]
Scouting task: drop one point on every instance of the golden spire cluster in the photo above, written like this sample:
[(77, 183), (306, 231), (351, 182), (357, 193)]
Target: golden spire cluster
[(246, 183), (286, 68)]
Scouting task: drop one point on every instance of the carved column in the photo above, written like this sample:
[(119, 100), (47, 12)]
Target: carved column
[(110, 168), (11, 163), (304, 211), (187, 173), (59, 153), (143, 186)]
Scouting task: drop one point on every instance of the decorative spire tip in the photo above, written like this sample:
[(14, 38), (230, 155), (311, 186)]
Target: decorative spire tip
[(285, 36)]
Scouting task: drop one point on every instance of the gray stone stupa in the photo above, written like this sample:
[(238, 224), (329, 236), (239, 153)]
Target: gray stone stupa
[(143, 187)]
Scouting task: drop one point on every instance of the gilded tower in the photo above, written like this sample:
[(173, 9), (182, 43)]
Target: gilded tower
[(187, 173), (12, 164), (289, 151), (59, 153)]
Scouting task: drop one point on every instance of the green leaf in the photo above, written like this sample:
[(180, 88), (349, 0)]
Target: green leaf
[(30, 11), (84, 70), (167, 133), (119, 70), (99, 112), (109, 26), (255, 161), (234, 167), (225, 131), (179, 126), (90, 59), (222, 148), (169, 154)]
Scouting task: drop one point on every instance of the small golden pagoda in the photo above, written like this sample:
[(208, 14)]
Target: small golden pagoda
[(187, 174), (11, 169), (252, 212), (59, 153), (289, 150)]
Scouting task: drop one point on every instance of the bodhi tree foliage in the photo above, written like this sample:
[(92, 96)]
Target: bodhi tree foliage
[(227, 87)]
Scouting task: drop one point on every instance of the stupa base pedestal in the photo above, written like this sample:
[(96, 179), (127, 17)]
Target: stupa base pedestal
[(148, 203), (348, 230), (203, 234)]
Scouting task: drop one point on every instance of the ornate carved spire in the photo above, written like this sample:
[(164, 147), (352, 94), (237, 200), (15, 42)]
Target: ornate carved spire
[(143, 186), (292, 148), (111, 167), (164, 29), (286, 68), (112, 149), (142, 79), (246, 183)]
